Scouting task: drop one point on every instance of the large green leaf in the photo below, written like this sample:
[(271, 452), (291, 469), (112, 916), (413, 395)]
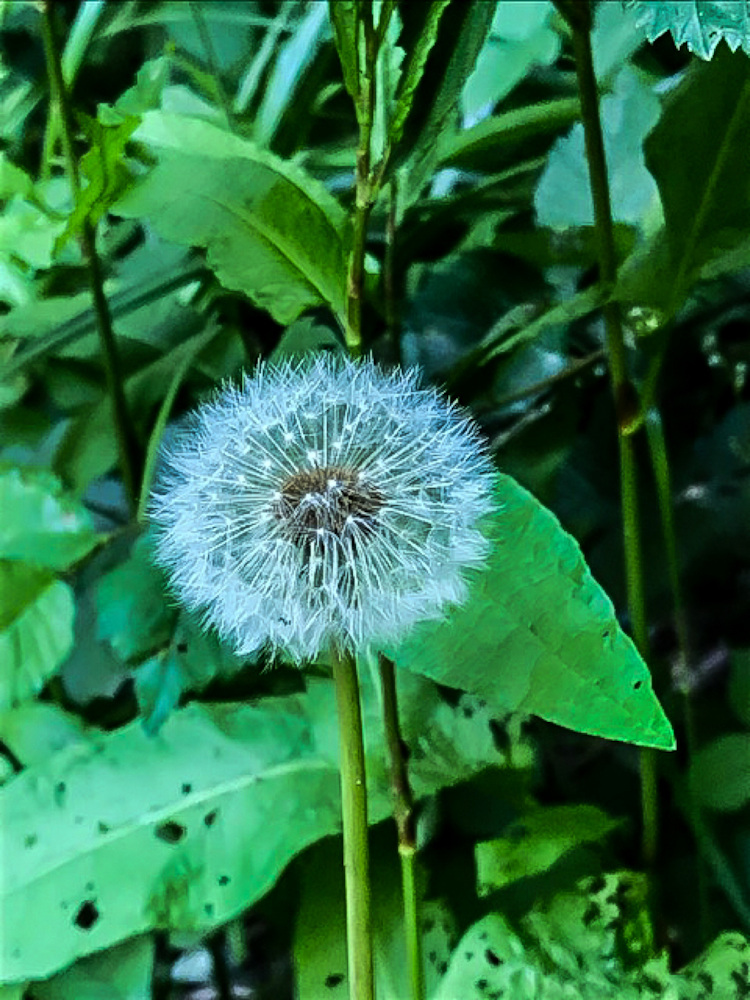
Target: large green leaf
[(697, 156), (720, 772), (538, 635), (701, 24), (40, 524), (36, 630), (271, 230), (123, 972), (126, 833)]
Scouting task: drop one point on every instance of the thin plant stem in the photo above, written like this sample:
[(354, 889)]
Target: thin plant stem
[(354, 813), (403, 812), (126, 439), (625, 398), (363, 189), (663, 479), (213, 62)]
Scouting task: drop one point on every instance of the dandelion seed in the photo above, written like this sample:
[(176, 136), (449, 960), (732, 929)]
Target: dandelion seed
[(324, 501)]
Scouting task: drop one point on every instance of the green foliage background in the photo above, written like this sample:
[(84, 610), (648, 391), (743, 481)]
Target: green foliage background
[(163, 803)]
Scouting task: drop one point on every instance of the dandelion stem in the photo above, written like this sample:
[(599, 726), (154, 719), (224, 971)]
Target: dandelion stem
[(126, 440), (403, 812), (578, 16), (354, 812)]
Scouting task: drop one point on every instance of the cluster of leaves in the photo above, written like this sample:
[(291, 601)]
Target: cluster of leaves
[(153, 782)]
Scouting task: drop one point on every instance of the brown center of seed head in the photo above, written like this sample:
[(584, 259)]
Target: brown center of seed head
[(325, 497)]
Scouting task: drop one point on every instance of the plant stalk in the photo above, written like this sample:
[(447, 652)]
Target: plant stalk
[(404, 815), (354, 813), (126, 440), (625, 396)]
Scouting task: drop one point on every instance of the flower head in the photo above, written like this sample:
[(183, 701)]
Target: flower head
[(321, 502)]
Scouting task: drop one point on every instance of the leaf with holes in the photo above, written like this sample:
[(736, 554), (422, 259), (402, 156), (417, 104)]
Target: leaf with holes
[(36, 630), (270, 229), (539, 636)]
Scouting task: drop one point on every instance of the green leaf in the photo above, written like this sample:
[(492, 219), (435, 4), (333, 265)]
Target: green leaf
[(103, 167), (720, 773), (739, 684), (695, 153), (700, 24), (539, 636), (535, 842), (135, 613), (320, 928), (123, 972), (128, 833), (344, 16), (40, 524), (13, 180), (563, 197), (520, 38), (36, 630), (36, 730), (271, 230), (723, 964), (27, 232)]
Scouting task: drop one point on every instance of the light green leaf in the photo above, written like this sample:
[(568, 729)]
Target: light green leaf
[(563, 197), (123, 972), (136, 615), (700, 24), (695, 153), (535, 842), (720, 773), (725, 963), (40, 524), (520, 39), (539, 636), (104, 169), (37, 730), (126, 833), (13, 180), (36, 630), (271, 230), (27, 232)]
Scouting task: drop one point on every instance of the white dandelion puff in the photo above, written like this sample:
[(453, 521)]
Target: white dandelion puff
[(321, 502)]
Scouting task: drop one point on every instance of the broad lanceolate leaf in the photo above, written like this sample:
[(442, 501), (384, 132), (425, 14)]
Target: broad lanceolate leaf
[(534, 843), (701, 24), (270, 230), (697, 156), (39, 523), (123, 833), (539, 636), (36, 630)]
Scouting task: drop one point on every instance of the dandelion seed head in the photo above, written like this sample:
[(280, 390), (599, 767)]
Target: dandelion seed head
[(320, 502)]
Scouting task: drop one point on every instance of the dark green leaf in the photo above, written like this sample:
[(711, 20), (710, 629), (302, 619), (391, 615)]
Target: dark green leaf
[(538, 635), (720, 772), (696, 154), (344, 16)]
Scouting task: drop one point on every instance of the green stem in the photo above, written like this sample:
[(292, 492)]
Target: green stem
[(663, 479), (363, 192), (403, 812), (126, 440), (626, 404), (213, 62), (354, 813)]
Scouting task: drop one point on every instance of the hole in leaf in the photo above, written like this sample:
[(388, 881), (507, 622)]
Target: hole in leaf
[(30, 840), (187, 788), (210, 818), (182, 647), (492, 958), (209, 908), (334, 980), (170, 832), (87, 915), (637, 685), (223, 880), (442, 968), (103, 827), (481, 985)]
